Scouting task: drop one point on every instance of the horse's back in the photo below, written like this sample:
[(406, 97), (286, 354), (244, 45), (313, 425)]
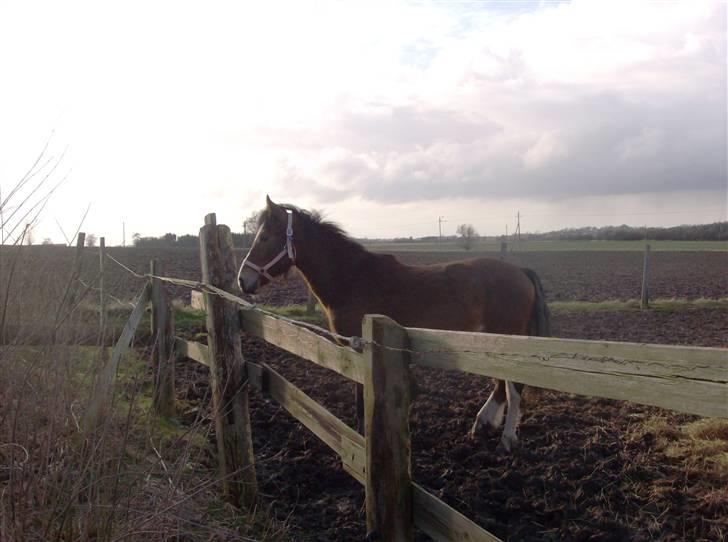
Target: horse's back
[(480, 294)]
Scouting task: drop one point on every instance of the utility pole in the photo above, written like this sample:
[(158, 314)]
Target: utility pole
[(518, 226), (123, 233), (440, 221)]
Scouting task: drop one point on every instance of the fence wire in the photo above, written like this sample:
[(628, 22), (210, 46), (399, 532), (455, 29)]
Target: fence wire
[(353, 342)]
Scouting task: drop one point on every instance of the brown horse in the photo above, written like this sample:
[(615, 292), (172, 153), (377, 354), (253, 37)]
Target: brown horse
[(482, 294)]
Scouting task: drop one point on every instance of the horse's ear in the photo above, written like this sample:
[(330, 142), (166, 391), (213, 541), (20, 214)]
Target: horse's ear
[(274, 209)]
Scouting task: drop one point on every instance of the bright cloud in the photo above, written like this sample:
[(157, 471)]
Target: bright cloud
[(374, 105)]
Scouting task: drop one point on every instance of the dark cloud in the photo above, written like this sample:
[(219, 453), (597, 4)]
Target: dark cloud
[(646, 120), (600, 144)]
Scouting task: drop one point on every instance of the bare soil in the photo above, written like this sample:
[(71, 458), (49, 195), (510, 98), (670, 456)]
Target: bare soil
[(587, 469), (578, 275)]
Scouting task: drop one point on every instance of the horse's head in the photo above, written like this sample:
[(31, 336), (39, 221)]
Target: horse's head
[(273, 252)]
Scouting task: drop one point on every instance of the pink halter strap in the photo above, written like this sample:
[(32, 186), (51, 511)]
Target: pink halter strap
[(288, 250)]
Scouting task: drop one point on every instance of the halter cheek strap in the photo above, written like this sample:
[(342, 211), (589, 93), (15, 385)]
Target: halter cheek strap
[(288, 250)]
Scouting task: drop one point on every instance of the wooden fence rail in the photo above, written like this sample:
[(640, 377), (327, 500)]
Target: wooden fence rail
[(686, 379), (437, 519)]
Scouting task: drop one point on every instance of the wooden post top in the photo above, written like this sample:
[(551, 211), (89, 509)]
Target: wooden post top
[(211, 219)]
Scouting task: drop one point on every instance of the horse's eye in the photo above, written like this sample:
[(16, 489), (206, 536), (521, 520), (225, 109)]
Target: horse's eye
[(264, 238)]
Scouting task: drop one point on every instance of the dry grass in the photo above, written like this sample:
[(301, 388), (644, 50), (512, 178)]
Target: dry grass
[(671, 304), (133, 477), (702, 442)]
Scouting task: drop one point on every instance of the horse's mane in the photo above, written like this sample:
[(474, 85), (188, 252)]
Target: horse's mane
[(328, 230)]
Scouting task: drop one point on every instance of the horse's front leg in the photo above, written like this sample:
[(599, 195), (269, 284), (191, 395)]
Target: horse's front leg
[(490, 416), (509, 439)]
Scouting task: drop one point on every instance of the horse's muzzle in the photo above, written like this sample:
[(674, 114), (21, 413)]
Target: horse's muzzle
[(249, 280)]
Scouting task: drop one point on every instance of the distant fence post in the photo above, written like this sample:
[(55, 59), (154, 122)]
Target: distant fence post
[(503, 249), (387, 402), (71, 292), (163, 337), (228, 376), (645, 300), (77, 266), (102, 300)]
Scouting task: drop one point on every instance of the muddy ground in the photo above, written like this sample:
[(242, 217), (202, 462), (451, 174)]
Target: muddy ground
[(579, 275), (588, 469)]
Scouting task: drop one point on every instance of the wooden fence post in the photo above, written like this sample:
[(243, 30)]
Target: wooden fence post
[(228, 376), (645, 300), (69, 295), (77, 266), (163, 337), (102, 300), (387, 401)]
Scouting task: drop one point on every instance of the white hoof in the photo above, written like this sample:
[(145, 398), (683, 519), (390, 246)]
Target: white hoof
[(508, 443)]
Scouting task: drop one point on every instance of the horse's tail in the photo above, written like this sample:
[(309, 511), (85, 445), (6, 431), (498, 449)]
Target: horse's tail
[(541, 316)]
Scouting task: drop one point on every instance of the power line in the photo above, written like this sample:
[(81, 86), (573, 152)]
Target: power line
[(440, 221)]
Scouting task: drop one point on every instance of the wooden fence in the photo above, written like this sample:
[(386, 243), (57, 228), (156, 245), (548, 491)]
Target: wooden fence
[(686, 379)]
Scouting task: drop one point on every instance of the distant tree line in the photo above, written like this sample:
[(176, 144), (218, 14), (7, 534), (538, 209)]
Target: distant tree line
[(717, 231), (169, 240)]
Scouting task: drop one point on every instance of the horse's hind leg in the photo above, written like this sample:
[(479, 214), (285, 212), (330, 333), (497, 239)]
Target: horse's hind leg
[(509, 440), (491, 414)]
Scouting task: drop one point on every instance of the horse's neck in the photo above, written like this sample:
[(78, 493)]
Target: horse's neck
[(329, 268)]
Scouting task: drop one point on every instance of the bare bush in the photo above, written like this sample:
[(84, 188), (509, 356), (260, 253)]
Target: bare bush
[(467, 235)]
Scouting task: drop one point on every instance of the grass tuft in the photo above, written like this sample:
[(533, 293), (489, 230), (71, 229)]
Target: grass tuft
[(667, 305)]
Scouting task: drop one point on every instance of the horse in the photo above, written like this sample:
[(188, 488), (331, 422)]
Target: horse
[(483, 294)]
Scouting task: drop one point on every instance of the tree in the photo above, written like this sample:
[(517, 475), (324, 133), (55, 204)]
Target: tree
[(250, 227), (467, 235), (91, 240), (136, 238)]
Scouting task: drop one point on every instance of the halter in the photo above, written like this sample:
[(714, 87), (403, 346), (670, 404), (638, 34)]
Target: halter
[(288, 250)]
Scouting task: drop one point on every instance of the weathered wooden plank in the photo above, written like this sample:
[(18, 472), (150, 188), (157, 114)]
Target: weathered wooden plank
[(227, 368), (104, 383), (304, 343), (386, 421), (443, 523), (353, 456), (341, 438), (338, 436), (192, 350), (197, 300), (162, 322), (431, 515), (686, 379)]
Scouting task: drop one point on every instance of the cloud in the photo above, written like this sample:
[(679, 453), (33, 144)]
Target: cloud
[(564, 101), (364, 104)]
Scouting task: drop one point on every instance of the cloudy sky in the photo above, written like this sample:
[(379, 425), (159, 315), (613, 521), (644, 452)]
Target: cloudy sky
[(385, 115)]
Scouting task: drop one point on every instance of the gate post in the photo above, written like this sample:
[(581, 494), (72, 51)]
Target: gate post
[(387, 401), (645, 298), (228, 377), (163, 337)]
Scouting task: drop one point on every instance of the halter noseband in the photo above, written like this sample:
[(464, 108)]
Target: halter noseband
[(288, 250)]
